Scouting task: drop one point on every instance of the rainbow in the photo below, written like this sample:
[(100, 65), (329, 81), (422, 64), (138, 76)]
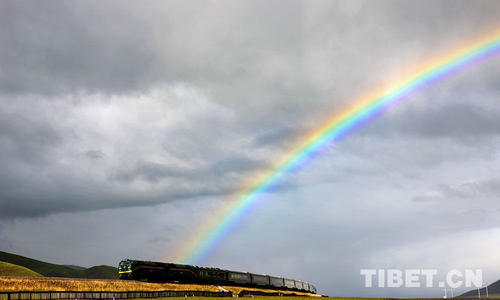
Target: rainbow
[(206, 240)]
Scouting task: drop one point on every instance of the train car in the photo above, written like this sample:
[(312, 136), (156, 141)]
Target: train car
[(298, 285), (277, 282), (289, 283), (169, 272), (239, 277), (210, 275), (306, 286), (262, 280), (182, 273)]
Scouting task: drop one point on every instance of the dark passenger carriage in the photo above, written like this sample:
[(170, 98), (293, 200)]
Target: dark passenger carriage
[(239, 277), (212, 275), (277, 282), (262, 280), (168, 272)]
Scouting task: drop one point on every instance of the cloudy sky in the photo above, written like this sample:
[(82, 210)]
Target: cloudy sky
[(123, 125)]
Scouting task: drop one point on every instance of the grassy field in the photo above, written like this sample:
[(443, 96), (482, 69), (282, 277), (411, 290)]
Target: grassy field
[(236, 289), (71, 284), (7, 269)]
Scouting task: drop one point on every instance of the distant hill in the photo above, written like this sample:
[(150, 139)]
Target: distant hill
[(53, 270), (75, 267), (101, 272), (493, 289), (7, 269)]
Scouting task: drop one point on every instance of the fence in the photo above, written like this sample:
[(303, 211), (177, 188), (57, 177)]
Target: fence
[(107, 295), (244, 293)]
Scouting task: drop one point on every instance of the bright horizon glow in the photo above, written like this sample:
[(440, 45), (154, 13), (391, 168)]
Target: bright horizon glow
[(219, 226)]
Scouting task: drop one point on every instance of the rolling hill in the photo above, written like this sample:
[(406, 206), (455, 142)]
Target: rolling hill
[(493, 289), (54, 270), (7, 269)]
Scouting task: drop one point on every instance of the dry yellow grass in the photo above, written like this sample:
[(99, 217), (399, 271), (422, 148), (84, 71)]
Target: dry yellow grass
[(236, 289), (70, 284), (108, 285)]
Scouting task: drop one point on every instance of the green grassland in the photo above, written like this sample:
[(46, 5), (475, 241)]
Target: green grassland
[(53, 270), (7, 269)]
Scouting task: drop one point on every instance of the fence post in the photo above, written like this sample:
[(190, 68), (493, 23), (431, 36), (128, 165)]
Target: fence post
[(105, 295)]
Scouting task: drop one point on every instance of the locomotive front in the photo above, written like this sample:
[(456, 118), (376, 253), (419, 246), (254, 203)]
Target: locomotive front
[(125, 269)]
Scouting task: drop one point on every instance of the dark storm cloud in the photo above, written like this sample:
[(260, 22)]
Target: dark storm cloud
[(59, 48), (45, 170), (27, 139), (154, 172), (58, 195), (268, 81), (56, 47), (244, 54), (151, 172)]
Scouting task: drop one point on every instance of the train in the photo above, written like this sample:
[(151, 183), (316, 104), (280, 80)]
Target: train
[(169, 272)]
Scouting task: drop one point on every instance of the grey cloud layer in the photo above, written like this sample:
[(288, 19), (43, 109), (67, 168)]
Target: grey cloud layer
[(102, 155), (267, 78)]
